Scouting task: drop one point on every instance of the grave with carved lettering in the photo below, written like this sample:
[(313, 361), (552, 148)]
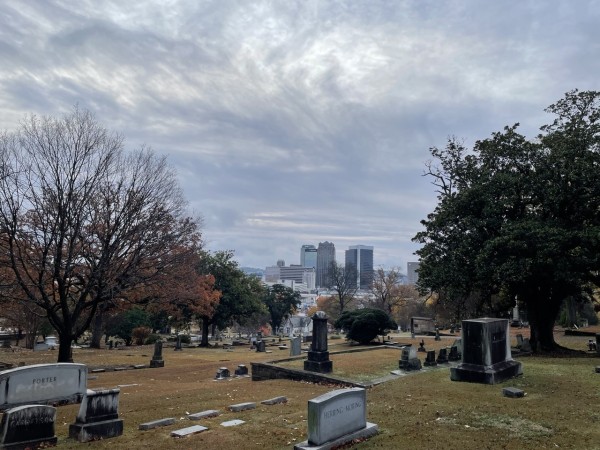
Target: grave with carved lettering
[(486, 355), (318, 356), (29, 426), (59, 383), (98, 416), (336, 418), (409, 359)]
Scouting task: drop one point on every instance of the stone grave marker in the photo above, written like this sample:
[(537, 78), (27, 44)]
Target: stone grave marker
[(519, 340), (318, 356), (526, 346), (486, 356), (442, 356), (437, 334), (157, 423), (260, 346), (28, 426), (242, 406), (157, 359), (178, 346), (430, 359), (232, 423), (42, 384), (513, 392), (241, 370), (205, 414), (409, 359), (222, 373), (98, 416), (275, 401), (336, 418), (188, 431), (422, 348), (295, 346), (598, 343)]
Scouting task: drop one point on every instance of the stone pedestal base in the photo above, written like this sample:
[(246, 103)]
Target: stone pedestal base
[(486, 375), (318, 366), (39, 443), (411, 364), (370, 430), (85, 432), (157, 363)]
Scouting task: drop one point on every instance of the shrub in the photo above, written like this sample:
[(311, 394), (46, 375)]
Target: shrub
[(364, 325), (140, 334), (152, 338)]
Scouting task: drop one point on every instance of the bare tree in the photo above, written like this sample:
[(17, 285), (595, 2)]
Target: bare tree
[(387, 291), (83, 224), (344, 283)]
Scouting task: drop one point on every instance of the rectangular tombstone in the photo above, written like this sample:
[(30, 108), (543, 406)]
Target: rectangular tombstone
[(242, 406), (486, 355), (28, 426), (42, 384), (98, 416), (157, 423), (336, 415), (295, 346)]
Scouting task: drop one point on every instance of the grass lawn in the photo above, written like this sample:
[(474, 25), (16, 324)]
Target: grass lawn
[(420, 411)]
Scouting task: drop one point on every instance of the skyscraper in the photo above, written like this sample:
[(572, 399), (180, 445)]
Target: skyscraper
[(308, 256), (325, 256), (412, 272), (361, 258)]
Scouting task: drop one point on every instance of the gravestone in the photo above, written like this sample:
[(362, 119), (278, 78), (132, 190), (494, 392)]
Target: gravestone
[(157, 359), (205, 414), (519, 340), (260, 346), (222, 373), (318, 356), (430, 359), (486, 356), (409, 359), (295, 346), (188, 431), (242, 406), (598, 343), (442, 356), (156, 423), (232, 423), (526, 346), (178, 346), (437, 334), (42, 384), (98, 417), (591, 345), (29, 426), (241, 370), (422, 348), (455, 351), (336, 418)]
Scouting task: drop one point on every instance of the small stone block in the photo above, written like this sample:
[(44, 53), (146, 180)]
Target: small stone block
[(98, 370), (140, 366), (275, 401), (194, 429), (157, 423), (597, 369), (118, 369), (512, 392), (232, 423), (204, 414), (242, 406)]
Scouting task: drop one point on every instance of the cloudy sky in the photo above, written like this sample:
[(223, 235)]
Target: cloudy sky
[(295, 122)]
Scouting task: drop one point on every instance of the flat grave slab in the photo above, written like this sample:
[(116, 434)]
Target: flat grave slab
[(232, 423), (188, 431), (242, 406), (157, 423), (274, 401), (513, 392), (205, 414)]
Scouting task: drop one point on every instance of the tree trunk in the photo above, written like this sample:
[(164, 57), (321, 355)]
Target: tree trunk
[(65, 352), (97, 330), (542, 312), (205, 325)]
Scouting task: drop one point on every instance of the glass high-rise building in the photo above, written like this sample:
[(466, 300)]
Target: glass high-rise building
[(325, 257), (361, 258), (308, 256)]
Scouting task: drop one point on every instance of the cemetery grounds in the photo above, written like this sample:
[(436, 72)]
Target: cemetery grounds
[(424, 410)]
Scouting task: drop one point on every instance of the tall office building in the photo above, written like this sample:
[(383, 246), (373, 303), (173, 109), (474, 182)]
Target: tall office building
[(308, 256), (325, 256), (412, 272), (361, 258)]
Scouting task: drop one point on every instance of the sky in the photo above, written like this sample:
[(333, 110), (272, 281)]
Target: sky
[(297, 122)]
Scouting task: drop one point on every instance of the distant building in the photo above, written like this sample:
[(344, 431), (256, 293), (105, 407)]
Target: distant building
[(308, 256), (325, 258), (295, 273), (361, 258), (412, 272)]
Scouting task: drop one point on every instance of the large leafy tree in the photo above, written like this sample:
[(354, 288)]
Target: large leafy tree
[(83, 223), (241, 294), (364, 325), (518, 219), (281, 301)]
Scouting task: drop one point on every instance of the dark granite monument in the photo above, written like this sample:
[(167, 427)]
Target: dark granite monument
[(486, 356), (261, 346), (430, 360), (98, 417), (157, 359), (318, 356), (30, 426), (409, 359), (442, 356)]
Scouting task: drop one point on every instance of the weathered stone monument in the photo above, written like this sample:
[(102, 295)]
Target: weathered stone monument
[(318, 356), (29, 426), (442, 356), (42, 384), (241, 371), (98, 417), (336, 418), (486, 356), (261, 346), (295, 346), (430, 359), (157, 359), (409, 359), (222, 373), (178, 346)]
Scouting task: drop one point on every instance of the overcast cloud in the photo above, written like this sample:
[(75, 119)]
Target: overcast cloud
[(295, 122)]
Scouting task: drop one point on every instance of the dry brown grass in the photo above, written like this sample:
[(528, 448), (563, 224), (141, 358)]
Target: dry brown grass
[(421, 411)]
